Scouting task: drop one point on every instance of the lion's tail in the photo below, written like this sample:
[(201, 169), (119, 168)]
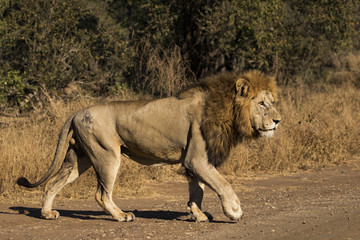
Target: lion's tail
[(63, 144)]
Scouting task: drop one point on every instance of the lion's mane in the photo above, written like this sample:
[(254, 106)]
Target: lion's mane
[(226, 119)]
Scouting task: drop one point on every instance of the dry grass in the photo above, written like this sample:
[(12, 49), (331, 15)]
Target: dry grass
[(165, 70), (320, 126)]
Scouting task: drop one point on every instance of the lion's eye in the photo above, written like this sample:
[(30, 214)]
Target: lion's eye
[(262, 103)]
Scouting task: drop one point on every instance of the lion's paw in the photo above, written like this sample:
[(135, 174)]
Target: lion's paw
[(51, 215), (200, 217), (233, 210), (237, 214), (196, 214), (125, 217)]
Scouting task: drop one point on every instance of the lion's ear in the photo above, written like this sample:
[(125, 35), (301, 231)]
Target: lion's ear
[(242, 87)]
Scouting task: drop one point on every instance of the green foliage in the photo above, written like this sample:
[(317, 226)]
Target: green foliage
[(106, 45), (284, 37), (245, 34), (12, 87), (53, 43)]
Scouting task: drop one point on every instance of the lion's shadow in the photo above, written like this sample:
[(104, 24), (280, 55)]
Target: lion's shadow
[(97, 215), (78, 214), (101, 215), (88, 215)]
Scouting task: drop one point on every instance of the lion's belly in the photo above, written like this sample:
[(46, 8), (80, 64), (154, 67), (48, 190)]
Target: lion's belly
[(155, 133), (160, 157), (154, 143)]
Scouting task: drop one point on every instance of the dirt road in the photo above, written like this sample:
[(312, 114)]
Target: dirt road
[(305, 205)]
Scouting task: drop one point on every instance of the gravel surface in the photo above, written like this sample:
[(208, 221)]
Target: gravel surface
[(306, 205)]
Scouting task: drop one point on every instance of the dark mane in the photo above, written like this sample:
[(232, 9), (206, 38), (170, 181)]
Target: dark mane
[(225, 123)]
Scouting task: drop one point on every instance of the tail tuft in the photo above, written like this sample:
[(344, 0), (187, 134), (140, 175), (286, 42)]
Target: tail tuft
[(24, 182)]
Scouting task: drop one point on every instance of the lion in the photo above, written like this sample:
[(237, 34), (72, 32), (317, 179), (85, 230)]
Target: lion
[(197, 128)]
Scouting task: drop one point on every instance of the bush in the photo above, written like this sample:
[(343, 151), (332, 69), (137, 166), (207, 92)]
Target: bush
[(107, 46), (12, 87), (283, 37), (53, 43)]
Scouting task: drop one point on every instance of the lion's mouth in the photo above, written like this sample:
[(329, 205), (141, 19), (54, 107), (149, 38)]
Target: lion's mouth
[(266, 130)]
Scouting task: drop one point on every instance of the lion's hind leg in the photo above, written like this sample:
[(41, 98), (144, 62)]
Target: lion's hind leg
[(106, 164), (74, 165), (196, 193)]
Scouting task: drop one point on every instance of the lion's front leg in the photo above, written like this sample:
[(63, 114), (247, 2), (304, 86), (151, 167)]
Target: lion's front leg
[(197, 163), (196, 193), (208, 173)]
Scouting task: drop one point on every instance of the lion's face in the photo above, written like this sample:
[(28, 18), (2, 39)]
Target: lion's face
[(263, 115)]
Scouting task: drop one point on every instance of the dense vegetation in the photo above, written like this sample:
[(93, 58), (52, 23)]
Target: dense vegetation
[(157, 46)]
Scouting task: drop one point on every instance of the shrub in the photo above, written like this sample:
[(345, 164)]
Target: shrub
[(53, 43), (12, 87)]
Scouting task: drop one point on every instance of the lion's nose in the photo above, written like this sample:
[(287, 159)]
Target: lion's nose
[(276, 121)]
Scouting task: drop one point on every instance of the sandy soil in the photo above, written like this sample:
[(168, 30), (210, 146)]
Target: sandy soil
[(306, 205)]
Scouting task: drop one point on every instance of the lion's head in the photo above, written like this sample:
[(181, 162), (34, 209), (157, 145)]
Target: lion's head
[(237, 106), (256, 95)]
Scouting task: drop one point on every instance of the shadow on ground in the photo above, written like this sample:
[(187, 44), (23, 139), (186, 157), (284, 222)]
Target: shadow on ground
[(95, 215)]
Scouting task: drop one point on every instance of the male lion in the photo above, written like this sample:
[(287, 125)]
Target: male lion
[(197, 128)]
